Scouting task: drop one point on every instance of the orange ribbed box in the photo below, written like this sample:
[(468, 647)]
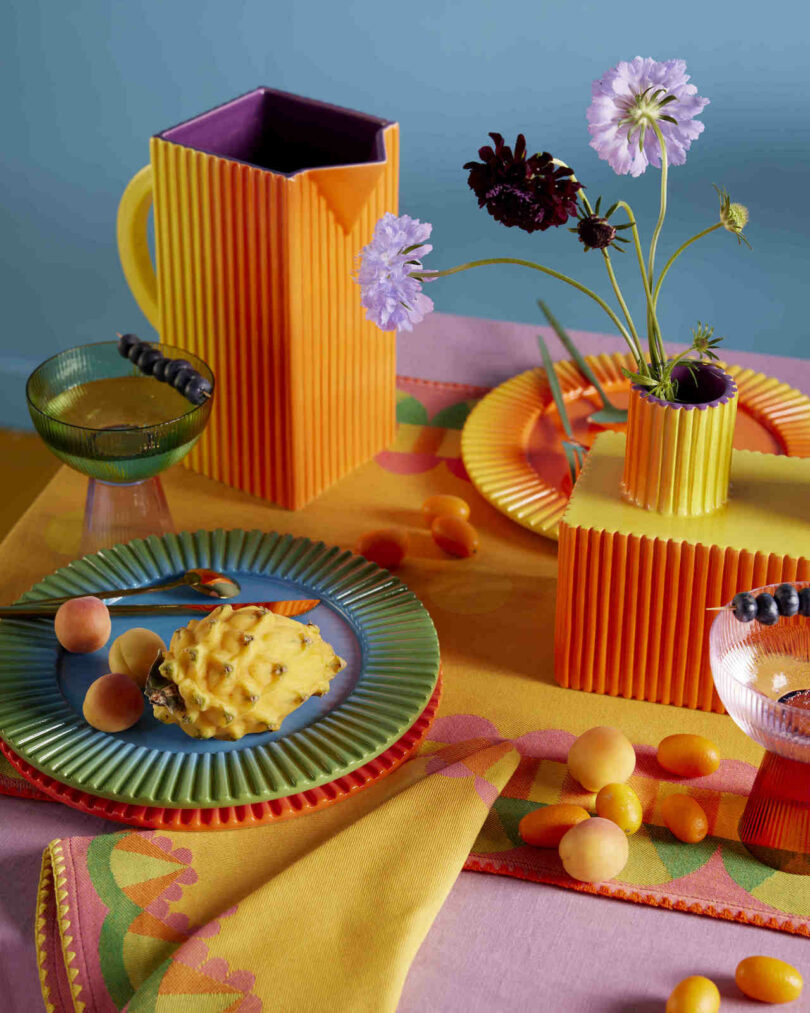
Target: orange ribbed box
[(261, 207), (634, 586)]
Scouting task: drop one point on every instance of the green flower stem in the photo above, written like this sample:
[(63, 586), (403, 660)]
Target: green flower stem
[(613, 281), (663, 207), (652, 319), (656, 337), (635, 346), (432, 275), (676, 254)]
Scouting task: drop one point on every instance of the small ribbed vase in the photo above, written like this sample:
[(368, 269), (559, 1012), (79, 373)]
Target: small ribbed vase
[(678, 454)]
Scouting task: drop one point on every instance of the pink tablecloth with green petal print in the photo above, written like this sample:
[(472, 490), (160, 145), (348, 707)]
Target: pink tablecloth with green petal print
[(497, 943)]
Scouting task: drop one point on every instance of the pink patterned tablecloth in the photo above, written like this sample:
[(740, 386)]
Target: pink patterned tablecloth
[(554, 950)]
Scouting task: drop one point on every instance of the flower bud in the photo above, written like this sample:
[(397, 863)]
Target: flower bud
[(733, 217), (595, 233)]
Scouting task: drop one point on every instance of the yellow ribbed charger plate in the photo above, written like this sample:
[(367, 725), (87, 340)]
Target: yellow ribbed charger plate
[(512, 441)]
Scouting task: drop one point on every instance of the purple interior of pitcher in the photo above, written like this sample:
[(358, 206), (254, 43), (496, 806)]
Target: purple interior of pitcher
[(283, 133), (700, 386)]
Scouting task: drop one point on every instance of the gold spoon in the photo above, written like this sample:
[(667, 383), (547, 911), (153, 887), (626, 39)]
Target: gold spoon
[(293, 607), (207, 582)]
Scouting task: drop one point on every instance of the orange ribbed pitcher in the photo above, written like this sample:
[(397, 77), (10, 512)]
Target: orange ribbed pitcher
[(260, 208), (678, 454)]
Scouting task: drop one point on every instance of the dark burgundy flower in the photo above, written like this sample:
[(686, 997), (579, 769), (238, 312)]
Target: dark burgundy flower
[(532, 193), (595, 233)]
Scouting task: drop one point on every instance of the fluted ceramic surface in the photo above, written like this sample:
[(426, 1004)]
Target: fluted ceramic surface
[(634, 587), (679, 455), (389, 684), (254, 274)]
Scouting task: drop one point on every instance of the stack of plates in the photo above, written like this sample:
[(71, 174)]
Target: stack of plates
[(377, 711)]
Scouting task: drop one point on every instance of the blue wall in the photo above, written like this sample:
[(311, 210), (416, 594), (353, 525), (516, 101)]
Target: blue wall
[(86, 82)]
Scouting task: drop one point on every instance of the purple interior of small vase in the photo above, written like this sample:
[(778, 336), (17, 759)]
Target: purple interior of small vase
[(284, 133), (699, 386)]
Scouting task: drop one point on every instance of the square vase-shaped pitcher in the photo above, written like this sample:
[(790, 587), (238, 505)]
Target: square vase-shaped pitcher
[(260, 209)]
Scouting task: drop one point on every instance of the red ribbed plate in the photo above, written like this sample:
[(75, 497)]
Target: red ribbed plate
[(234, 817)]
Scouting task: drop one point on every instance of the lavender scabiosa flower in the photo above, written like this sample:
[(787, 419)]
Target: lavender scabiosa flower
[(389, 273), (629, 99)]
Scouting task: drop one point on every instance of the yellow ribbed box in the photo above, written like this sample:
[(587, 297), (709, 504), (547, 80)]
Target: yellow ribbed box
[(634, 586), (261, 207)]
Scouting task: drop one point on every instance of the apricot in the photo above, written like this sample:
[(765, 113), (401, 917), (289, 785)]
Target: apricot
[(455, 536), (444, 506), (601, 756), (386, 547), (594, 850), (133, 653), (82, 625), (113, 703)]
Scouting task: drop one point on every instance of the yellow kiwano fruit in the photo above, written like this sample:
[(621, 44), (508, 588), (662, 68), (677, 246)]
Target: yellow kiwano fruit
[(694, 995), (239, 671)]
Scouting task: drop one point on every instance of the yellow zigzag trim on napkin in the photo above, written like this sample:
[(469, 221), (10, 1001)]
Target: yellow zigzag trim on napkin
[(53, 877), (45, 886)]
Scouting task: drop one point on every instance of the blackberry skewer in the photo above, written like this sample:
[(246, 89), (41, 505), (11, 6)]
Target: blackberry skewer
[(767, 608), (178, 373)]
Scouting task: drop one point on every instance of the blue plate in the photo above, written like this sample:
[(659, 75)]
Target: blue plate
[(370, 618)]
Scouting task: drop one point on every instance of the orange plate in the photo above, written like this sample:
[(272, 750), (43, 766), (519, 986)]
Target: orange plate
[(511, 444), (234, 817)]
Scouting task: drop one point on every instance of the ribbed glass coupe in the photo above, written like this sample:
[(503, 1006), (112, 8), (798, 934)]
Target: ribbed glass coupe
[(762, 675), (104, 418)]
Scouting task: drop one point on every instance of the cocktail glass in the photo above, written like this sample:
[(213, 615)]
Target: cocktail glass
[(762, 675), (101, 416)]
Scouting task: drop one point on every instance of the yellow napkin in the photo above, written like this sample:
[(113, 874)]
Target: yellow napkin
[(321, 912)]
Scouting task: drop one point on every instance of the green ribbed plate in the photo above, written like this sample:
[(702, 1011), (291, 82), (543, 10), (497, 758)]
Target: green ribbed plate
[(369, 616)]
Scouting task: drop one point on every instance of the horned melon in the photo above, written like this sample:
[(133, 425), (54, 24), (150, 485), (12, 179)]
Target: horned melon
[(239, 671)]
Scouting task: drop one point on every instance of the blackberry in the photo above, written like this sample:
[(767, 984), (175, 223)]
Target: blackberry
[(173, 368), (181, 377), (787, 599), (159, 369), (147, 359), (125, 342), (197, 389), (767, 609), (135, 351), (745, 606)]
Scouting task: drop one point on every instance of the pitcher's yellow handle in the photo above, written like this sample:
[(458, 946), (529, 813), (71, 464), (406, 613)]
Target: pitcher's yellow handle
[(133, 243)]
